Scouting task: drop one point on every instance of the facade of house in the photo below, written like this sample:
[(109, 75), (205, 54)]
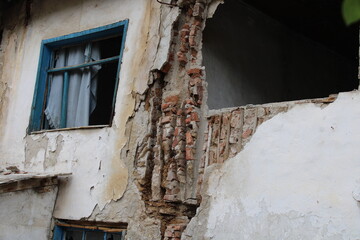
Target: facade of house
[(187, 119)]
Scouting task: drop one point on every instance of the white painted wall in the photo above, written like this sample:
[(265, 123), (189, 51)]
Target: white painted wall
[(295, 179), (26, 214), (92, 156)]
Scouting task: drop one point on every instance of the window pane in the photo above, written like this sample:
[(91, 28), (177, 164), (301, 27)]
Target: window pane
[(113, 236), (105, 93), (94, 236), (110, 47), (73, 235)]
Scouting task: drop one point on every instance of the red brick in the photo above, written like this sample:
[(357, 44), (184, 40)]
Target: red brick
[(178, 227), (175, 142), (183, 48), (166, 67), (189, 101), (193, 30), (172, 99), (189, 154), (182, 58), (166, 119), (186, 26), (194, 71), (179, 112), (189, 110), (197, 22), (195, 117), (177, 131), (247, 133), (184, 33), (189, 139), (171, 57), (165, 105), (195, 81)]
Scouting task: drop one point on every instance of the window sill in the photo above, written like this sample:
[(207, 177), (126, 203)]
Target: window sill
[(70, 129)]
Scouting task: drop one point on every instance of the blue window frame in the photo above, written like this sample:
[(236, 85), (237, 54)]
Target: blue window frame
[(110, 38), (97, 233)]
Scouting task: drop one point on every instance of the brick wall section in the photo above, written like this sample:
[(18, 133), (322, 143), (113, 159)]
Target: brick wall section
[(165, 159), (228, 131)]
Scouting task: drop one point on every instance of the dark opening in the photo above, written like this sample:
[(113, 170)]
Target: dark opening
[(106, 84), (259, 51)]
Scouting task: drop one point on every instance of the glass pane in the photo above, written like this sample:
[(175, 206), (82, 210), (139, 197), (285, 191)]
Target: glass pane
[(73, 235), (113, 236), (94, 236), (110, 47), (105, 93)]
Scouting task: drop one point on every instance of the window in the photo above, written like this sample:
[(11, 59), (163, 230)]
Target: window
[(73, 230), (77, 79)]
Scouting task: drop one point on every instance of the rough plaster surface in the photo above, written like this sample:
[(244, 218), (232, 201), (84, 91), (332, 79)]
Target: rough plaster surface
[(26, 214), (297, 178), (99, 177), (99, 173)]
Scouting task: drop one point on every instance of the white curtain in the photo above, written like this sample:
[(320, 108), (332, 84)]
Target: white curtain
[(81, 100)]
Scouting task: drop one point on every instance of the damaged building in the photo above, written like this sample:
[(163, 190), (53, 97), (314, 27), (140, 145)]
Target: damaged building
[(178, 119)]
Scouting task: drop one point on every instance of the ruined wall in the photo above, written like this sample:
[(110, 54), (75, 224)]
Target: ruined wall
[(27, 214)]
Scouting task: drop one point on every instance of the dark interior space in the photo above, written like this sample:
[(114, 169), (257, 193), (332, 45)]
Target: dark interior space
[(106, 82), (259, 51)]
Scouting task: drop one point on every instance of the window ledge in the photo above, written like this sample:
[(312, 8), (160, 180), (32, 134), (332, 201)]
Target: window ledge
[(72, 128)]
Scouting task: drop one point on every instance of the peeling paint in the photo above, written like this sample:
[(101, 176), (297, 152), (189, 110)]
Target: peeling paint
[(293, 180)]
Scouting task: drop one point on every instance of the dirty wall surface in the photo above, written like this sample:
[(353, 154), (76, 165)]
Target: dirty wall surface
[(297, 178), (102, 160), (93, 155), (27, 214)]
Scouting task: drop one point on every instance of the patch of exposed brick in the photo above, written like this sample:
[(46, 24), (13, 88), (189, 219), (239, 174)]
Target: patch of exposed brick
[(228, 132), (165, 160)]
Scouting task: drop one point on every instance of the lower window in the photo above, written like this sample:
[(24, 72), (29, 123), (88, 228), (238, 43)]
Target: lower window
[(89, 231)]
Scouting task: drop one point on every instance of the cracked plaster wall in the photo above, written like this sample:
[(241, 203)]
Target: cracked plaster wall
[(295, 179), (28, 219), (99, 173)]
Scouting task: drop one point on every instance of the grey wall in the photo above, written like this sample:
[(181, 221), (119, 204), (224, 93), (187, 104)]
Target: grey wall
[(251, 59), (26, 214)]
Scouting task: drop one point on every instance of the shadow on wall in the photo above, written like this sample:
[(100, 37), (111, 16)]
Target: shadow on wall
[(251, 58)]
